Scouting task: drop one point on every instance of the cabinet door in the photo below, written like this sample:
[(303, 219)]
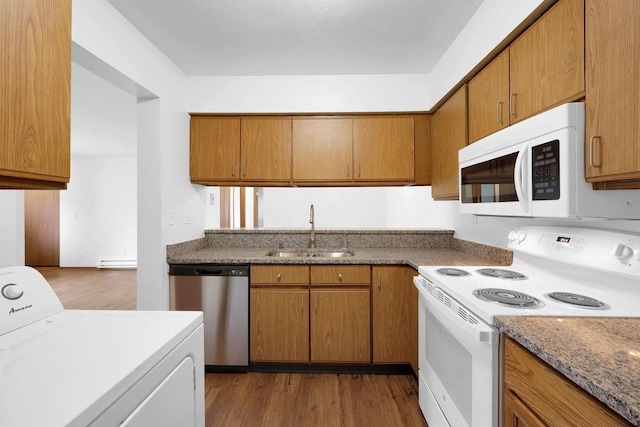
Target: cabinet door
[(489, 98), (613, 91), (448, 136), (266, 149), (322, 149), (395, 315), (215, 149), (279, 325), (547, 61), (516, 414), (35, 100), (383, 149), (340, 326)]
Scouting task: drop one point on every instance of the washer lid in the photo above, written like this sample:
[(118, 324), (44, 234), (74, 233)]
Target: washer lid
[(25, 298)]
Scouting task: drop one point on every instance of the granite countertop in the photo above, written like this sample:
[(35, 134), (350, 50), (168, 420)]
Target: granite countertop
[(398, 247), (601, 355)]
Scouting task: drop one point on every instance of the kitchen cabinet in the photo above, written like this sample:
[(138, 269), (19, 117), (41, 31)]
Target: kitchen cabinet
[(266, 149), (394, 315), (215, 149), (383, 148), (448, 136), (35, 65), (279, 314), (612, 152), (322, 149), (340, 314), (546, 62), (489, 98), (542, 68), (537, 395)]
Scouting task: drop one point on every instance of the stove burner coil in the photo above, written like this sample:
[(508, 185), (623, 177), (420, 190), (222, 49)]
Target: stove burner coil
[(577, 300), (508, 297), (454, 272), (501, 273)]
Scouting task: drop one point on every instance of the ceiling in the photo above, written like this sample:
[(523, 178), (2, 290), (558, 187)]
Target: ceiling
[(300, 37)]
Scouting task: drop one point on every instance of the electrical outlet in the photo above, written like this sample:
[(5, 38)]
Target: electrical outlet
[(171, 218), (186, 216), (212, 199)]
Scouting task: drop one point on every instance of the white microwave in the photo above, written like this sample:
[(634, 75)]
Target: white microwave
[(535, 168)]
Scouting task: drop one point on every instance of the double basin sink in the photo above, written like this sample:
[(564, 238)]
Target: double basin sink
[(310, 253)]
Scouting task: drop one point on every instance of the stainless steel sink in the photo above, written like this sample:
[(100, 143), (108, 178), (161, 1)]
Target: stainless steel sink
[(310, 253)]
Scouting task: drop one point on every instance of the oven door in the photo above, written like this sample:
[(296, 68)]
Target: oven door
[(458, 361)]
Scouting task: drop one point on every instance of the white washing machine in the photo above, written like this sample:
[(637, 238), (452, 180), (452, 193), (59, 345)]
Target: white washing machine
[(95, 368)]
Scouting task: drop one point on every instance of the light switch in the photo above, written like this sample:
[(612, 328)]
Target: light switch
[(186, 216)]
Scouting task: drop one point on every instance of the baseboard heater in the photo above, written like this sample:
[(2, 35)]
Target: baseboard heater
[(118, 263)]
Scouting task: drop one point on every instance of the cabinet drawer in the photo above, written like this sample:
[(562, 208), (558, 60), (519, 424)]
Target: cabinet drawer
[(552, 397), (279, 274), (340, 274)]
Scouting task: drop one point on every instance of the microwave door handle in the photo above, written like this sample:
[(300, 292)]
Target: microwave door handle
[(520, 176)]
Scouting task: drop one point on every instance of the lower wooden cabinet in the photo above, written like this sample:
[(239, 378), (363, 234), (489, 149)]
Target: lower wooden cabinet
[(395, 315), (340, 326), (537, 395)]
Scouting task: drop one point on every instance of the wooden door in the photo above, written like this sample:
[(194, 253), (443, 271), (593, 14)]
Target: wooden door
[(489, 98), (383, 149), (340, 326), (395, 315), (516, 413), (322, 149), (547, 61), (35, 94), (448, 136), (613, 91), (266, 149), (279, 325), (42, 228), (215, 149)]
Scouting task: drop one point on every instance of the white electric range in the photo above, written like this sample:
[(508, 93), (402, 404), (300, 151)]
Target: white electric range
[(556, 271), (95, 368)]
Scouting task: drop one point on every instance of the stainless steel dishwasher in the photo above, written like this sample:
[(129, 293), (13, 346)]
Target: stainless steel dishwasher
[(221, 292)]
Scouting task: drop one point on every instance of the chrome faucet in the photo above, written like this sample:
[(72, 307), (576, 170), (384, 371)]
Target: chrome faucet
[(312, 236)]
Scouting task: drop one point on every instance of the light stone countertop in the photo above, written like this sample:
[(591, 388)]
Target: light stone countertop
[(600, 355)]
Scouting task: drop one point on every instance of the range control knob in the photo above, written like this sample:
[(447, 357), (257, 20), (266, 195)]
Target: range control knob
[(11, 291), (622, 252)]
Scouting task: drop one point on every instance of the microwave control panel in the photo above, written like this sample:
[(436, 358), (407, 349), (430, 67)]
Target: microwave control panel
[(545, 170)]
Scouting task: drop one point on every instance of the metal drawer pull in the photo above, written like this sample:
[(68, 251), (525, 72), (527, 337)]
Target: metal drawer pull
[(379, 281), (499, 112), (233, 169), (279, 277), (339, 277)]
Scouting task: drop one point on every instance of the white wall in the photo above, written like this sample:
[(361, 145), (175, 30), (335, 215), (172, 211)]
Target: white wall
[(11, 228), (98, 211)]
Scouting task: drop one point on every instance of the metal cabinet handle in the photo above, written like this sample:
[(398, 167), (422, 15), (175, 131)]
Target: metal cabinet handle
[(379, 281), (278, 277), (340, 277), (244, 173), (233, 169), (591, 163), (302, 303), (512, 104), (499, 112), (347, 171), (316, 303), (359, 170)]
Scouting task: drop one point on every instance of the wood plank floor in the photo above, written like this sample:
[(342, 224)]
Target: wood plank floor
[(254, 398)]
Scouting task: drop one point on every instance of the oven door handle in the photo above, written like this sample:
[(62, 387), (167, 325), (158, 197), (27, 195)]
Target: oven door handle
[(451, 316)]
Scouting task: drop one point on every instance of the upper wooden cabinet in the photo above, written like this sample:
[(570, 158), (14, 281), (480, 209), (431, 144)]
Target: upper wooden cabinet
[(215, 149), (542, 68), (547, 61), (612, 152), (448, 136), (383, 149), (362, 149), (322, 149), (266, 149), (489, 98), (35, 102)]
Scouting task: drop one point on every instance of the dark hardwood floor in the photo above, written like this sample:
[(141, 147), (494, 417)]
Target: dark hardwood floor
[(256, 398)]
